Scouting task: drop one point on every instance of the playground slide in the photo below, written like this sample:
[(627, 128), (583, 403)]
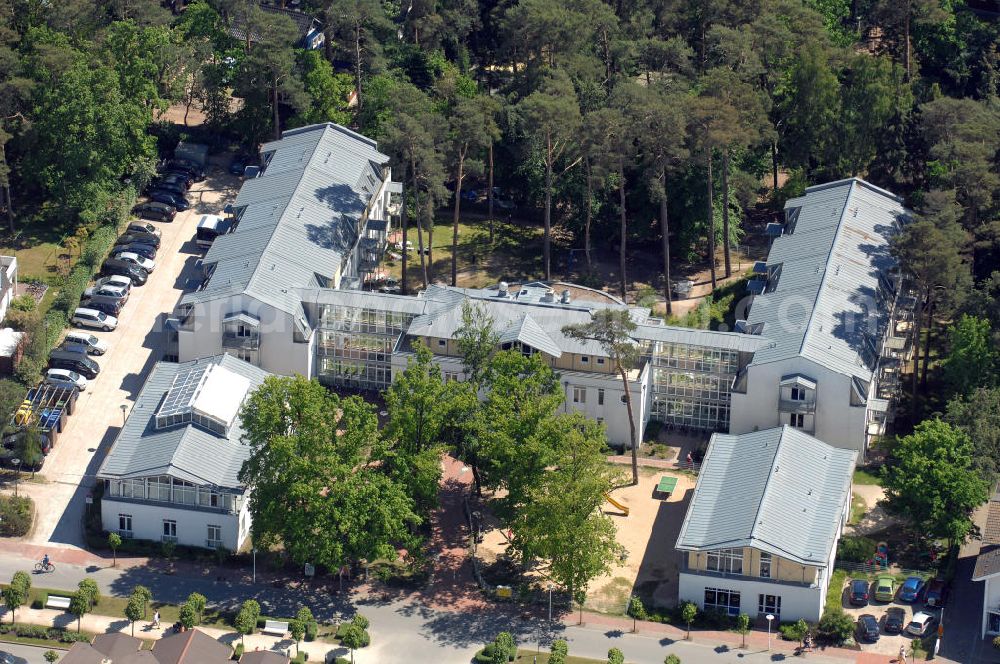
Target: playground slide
[(623, 508)]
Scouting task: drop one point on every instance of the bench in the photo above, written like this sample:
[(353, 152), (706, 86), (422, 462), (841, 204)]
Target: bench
[(666, 485), (57, 602), (275, 627)]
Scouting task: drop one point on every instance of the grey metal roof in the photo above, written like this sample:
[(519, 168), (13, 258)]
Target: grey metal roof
[(186, 452), (746, 343), (299, 218), (779, 490), (404, 304), (824, 302), (526, 331)]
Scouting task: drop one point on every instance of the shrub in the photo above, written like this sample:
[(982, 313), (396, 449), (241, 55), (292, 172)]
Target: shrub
[(23, 303), (74, 637), (672, 659), (51, 656), (636, 609), (312, 629), (835, 626), (15, 516), (560, 650), (996, 642), (238, 651), (856, 549)]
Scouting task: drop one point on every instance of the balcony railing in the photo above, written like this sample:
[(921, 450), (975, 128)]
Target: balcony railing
[(171, 539), (749, 577), (796, 406), (125, 534), (213, 544), (245, 343)]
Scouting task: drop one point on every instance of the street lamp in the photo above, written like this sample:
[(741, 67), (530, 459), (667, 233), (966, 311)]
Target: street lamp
[(17, 473), (631, 609), (769, 617), (124, 407), (550, 602)]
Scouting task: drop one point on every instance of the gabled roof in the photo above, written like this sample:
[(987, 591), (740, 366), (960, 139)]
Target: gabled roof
[(987, 563), (191, 647), (526, 331), (263, 657), (303, 22), (779, 490), (824, 302), (299, 218), (186, 451)]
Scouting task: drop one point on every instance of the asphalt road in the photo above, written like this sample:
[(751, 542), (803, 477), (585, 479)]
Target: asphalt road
[(18, 654), (404, 630)]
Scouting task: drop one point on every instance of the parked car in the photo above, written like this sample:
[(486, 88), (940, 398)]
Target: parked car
[(936, 593), (174, 188), (111, 306), (116, 291), (65, 378), (134, 258), (84, 317), (184, 176), (895, 619), (921, 623), (154, 210), (78, 362), (71, 347), (885, 588), (858, 594), (196, 171), (161, 196), (142, 227), (144, 250), (93, 345), (911, 589), (867, 629), (115, 280), (141, 238), (135, 274)]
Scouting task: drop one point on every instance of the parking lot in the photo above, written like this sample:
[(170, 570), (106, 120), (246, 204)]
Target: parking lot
[(68, 474), (887, 644)]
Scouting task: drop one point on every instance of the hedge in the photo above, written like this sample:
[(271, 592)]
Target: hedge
[(856, 549), (15, 516), (42, 632)]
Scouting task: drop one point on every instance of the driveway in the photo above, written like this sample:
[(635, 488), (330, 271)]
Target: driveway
[(888, 644), (63, 483)]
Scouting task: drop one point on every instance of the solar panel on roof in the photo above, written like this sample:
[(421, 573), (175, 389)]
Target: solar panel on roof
[(181, 393)]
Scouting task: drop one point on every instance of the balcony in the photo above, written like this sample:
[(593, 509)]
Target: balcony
[(796, 406), (168, 539), (213, 544), (685, 568), (240, 342)]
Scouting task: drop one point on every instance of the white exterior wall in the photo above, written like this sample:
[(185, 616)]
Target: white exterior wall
[(836, 422), (9, 266), (804, 602), (279, 353), (192, 524)]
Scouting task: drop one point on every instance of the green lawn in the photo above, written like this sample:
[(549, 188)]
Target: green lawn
[(858, 509), (39, 249), (836, 589), (115, 607), (528, 656), (864, 477)]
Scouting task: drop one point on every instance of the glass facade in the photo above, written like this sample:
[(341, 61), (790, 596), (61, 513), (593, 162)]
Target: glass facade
[(165, 489), (692, 385), (355, 345)]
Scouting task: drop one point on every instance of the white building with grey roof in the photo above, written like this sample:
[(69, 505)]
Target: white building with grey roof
[(172, 474), (761, 532), (826, 303)]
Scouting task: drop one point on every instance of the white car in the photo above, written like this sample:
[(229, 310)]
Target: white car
[(921, 623), (84, 317), (145, 263), (94, 345), (114, 280), (108, 290), (65, 378)]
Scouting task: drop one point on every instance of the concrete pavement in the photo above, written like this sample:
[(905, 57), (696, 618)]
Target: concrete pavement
[(21, 654)]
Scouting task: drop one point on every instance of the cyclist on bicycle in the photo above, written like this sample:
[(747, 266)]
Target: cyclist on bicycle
[(45, 561)]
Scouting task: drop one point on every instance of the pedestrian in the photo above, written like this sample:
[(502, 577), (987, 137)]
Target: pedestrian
[(156, 619), (690, 461), (902, 655)]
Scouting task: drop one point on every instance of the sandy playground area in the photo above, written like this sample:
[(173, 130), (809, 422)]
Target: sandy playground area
[(648, 534)]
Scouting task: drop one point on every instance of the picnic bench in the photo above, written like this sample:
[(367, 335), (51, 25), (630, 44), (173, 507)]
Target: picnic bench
[(666, 485), (275, 627), (57, 602)]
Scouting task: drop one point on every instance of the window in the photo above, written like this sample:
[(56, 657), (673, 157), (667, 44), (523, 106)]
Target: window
[(450, 376), (993, 623), (622, 398), (584, 359), (125, 525), (722, 601), (600, 420), (169, 530), (769, 604), (600, 361), (798, 394), (727, 561), (214, 540), (442, 342), (579, 395), (797, 420), (765, 565), (600, 396)]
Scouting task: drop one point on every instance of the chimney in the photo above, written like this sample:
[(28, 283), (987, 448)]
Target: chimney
[(565, 299)]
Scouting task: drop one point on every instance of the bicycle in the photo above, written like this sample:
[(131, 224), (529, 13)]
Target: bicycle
[(42, 567)]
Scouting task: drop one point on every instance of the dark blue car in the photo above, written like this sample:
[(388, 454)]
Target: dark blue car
[(911, 589), (161, 196)]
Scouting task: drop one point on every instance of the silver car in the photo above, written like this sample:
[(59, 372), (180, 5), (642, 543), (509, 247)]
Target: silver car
[(84, 317)]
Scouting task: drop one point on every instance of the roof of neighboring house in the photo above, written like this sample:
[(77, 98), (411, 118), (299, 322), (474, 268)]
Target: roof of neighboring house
[(991, 531), (301, 216), (987, 563), (191, 647), (116, 645), (824, 302), (304, 23), (263, 657), (185, 451), (746, 343), (779, 490), (83, 653)]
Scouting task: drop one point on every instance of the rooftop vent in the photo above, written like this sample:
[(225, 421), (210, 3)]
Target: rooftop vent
[(565, 299), (502, 289), (548, 296)]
